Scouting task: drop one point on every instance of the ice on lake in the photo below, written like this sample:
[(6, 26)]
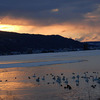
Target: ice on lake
[(46, 76)]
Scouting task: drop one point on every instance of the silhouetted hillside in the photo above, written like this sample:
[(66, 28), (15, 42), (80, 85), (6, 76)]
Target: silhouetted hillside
[(94, 44), (11, 42)]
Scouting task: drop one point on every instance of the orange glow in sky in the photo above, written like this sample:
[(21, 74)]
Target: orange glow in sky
[(11, 28), (67, 30), (76, 19), (46, 30)]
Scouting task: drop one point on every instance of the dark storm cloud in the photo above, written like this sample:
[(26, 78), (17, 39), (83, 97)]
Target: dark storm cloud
[(44, 11)]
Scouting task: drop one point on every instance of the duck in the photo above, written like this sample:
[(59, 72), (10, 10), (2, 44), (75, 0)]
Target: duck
[(61, 73), (29, 77), (38, 79), (86, 80), (73, 77), (69, 87), (63, 78), (43, 78), (54, 78), (93, 86), (78, 76), (0, 80), (58, 80), (66, 81), (6, 80), (34, 75)]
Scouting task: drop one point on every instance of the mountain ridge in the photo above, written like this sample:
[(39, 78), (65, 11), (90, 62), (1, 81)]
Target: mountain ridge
[(12, 41)]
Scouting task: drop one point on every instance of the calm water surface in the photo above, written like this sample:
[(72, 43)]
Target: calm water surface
[(19, 83)]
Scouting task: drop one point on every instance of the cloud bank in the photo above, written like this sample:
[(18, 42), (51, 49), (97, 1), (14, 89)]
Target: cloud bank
[(80, 14)]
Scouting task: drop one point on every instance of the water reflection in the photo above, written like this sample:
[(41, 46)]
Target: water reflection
[(9, 96), (24, 88), (15, 90), (16, 86), (21, 85)]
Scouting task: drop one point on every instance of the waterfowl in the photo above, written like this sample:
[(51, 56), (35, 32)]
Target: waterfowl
[(61, 73), (0, 80), (73, 73), (38, 79), (78, 76), (69, 87), (93, 86), (6, 80), (73, 77), (65, 87), (34, 75), (63, 78), (66, 81), (48, 83), (43, 78), (29, 77), (58, 79), (54, 78)]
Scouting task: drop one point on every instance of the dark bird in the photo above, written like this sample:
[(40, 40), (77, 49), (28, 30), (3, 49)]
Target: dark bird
[(0, 80), (48, 83), (93, 86), (63, 78), (69, 87), (38, 79), (61, 73), (47, 74), (65, 87), (54, 78), (29, 77)]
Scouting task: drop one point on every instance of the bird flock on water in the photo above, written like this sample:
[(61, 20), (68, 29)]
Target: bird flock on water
[(63, 81)]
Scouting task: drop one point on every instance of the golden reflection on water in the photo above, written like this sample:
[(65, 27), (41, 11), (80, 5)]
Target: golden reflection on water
[(13, 89), (16, 85), (26, 61), (23, 88), (15, 62)]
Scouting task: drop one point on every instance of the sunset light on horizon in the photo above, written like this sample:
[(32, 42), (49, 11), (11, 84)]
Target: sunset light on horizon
[(78, 20), (50, 50)]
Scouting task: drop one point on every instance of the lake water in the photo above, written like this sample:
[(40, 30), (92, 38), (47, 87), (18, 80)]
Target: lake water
[(44, 76)]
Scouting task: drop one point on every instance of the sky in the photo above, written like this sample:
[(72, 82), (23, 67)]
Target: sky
[(76, 19)]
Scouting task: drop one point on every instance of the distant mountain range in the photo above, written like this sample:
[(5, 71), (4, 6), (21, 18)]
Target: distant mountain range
[(16, 42)]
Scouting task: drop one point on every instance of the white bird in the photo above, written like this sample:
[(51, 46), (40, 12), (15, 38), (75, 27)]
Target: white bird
[(43, 78), (34, 75), (66, 81)]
